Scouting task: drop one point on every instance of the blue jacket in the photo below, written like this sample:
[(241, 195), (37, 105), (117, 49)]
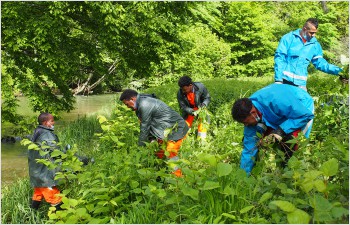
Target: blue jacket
[(293, 57), (281, 105)]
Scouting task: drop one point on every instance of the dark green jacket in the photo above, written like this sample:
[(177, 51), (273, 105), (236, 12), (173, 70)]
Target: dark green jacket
[(40, 175), (155, 116), (201, 97)]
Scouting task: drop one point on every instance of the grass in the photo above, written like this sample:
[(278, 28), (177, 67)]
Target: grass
[(119, 166), (15, 205)]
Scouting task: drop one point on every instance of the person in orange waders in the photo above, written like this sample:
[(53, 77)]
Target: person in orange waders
[(42, 179), (155, 117), (192, 96)]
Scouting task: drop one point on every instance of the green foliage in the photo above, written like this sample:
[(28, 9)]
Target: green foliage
[(247, 28), (67, 48)]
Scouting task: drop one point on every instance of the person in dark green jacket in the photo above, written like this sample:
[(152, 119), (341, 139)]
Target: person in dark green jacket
[(155, 118), (191, 97), (42, 179)]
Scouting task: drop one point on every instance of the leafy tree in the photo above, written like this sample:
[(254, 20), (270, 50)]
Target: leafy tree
[(203, 56), (71, 47), (247, 28)]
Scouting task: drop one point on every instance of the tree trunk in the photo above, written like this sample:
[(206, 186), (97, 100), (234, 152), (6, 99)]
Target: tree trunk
[(324, 6), (86, 88), (82, 87)]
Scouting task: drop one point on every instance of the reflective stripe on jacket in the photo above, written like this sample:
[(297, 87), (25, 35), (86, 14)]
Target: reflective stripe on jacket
[(281, 105), (40, 175), (201, 96), (293, 57), (155, 116)]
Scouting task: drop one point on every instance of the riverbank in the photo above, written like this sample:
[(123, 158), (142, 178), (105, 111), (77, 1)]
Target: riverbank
[(14, 163)]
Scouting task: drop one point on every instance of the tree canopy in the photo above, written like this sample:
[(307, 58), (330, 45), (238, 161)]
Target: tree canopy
[(52, 51)]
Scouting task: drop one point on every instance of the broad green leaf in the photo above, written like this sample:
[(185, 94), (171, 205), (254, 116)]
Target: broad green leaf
[(298, 216), (293, 163), (210, 159), (311, 175), (323, 216), (81, 212), (56, 153), (284, 205), (32, 146), (115, 139), (105, 127), (229, 216), (161, 193), (101, 209), (228, 191), (224, 169), (193, 193), (101, 119), (320, 185), (208, 185), (101, 197), (265, 197), (26, 142), (330, 168), (113, 202), (246, 209), (134, 184), (217, 220), (172, 215), (99, 221), (72, 202), (320, 203), (307, 186), (338, 212), (72, 219)]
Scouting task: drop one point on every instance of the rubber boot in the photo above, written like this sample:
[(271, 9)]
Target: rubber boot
[(58, 206), (35, 204)]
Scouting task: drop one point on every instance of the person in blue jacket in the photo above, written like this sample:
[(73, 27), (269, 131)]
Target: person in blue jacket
[(294, 53), (278, 112)]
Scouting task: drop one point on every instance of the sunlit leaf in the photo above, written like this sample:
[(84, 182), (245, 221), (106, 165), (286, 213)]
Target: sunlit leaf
[(246, 209), (284, 205), (298, 216), (193, 193), (208, 185), (265, 197), (223, 169), (330, 168)]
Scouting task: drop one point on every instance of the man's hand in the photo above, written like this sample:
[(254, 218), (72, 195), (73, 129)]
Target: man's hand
[(344, 74), (343, 79), (202, 105), (273, 138)]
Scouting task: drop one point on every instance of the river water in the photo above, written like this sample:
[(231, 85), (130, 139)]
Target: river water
[(14, 164)]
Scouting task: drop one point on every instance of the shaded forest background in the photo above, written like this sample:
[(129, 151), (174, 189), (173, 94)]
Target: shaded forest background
[(52, 51)]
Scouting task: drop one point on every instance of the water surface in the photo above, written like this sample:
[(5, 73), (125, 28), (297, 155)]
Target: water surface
[(14, 162)]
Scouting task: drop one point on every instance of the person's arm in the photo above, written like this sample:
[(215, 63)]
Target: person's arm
[(250, 148), (182, 104), (321, 64), (205, 96), (281, 55), (146, 119)]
